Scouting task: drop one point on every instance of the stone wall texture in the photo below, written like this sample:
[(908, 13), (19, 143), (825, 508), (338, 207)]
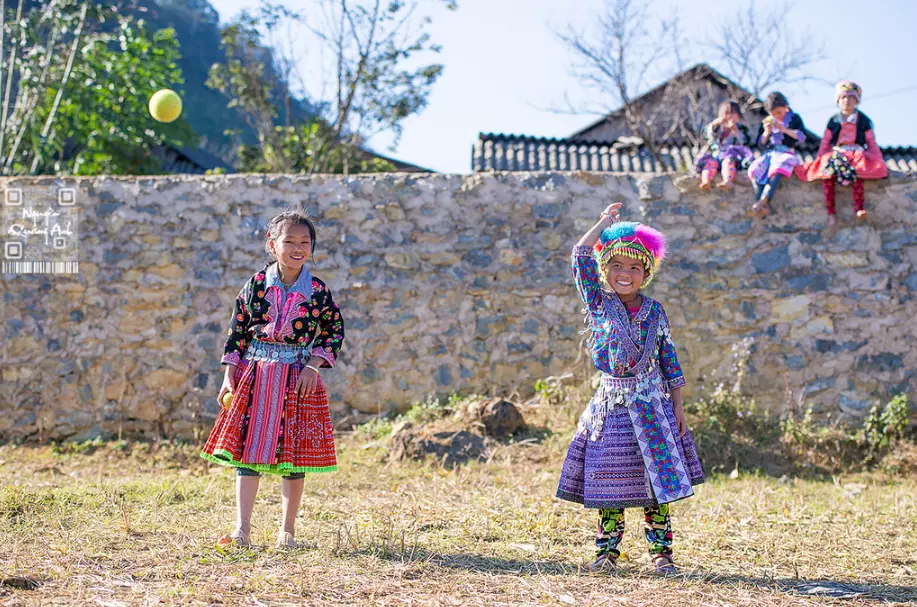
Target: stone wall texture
[(451, 284)]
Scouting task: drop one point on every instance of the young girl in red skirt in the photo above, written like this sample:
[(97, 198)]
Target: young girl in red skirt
[(285, 330), (848, 153)]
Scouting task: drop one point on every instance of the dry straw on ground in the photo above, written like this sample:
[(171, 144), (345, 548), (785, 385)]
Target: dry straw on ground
[(135, 524)]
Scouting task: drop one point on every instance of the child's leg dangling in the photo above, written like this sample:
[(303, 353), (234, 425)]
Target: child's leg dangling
[(708, 173), (830, 195), (828, 185), (859, 198), (727, 172), (767, 192)]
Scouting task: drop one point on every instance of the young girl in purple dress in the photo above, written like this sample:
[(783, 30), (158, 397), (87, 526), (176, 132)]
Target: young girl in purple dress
[(781, 132), (726, 148), (632, 447)]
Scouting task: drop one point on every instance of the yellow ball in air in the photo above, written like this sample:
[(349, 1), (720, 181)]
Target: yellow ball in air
[(227, 399), (165, 105)]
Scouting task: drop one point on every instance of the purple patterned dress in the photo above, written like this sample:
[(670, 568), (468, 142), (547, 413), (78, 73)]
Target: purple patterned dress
[(778, 152), (722, 144), (627, 452)]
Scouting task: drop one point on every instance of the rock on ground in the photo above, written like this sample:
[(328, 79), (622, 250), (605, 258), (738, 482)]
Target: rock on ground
[(449, 447)]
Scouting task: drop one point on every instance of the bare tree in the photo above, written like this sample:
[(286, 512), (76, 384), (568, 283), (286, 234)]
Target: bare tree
[(628, 48), (760, 49), (372, 42)]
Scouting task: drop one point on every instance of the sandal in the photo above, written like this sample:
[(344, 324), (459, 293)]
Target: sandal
[(862, 215), (664, 564), (604, 563), (285, 541), (725, 185), (237, 538), (761, 209)]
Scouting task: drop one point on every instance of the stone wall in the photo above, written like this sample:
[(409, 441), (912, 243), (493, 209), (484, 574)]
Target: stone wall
[(450, 283)]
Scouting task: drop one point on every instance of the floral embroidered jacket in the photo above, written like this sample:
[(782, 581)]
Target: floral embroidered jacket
[(777, 139), (619, 339), (304, 316), (719, 138)]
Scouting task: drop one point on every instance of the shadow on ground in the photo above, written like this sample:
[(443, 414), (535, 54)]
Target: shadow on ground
[(802, 587), (812, 588)]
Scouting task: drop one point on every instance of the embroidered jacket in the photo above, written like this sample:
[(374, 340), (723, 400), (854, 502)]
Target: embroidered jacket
[(304, 316), (792, 121), (619, 341), (863, 126), (718, 138)]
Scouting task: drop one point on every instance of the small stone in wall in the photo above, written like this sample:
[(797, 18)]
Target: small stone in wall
[(790, 309), (852, 403), (773, 260)]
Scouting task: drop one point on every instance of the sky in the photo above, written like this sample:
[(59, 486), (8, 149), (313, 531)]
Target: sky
[(505, 69)]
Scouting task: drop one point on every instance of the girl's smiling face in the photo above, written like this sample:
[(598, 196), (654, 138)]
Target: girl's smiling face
[(292, 247), (624, 275)]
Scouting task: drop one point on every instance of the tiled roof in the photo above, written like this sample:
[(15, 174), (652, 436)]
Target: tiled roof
[(499, 152), (701, 71)]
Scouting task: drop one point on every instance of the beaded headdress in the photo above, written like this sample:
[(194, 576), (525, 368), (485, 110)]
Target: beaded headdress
[(847, 87), (633, 240)]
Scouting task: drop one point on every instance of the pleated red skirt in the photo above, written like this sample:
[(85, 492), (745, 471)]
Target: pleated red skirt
[(268, 428)]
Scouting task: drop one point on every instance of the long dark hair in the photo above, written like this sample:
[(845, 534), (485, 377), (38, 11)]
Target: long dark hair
[(291, 217)]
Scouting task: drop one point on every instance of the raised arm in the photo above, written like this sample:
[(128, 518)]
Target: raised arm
[(743, 135), (608, 217), (585, 268)]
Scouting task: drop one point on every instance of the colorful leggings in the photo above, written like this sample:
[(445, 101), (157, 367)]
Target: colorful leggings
[(859, 195), (712, 166), (657, 528)]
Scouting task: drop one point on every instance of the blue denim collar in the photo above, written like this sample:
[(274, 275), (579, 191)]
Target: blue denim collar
[(303, 284)]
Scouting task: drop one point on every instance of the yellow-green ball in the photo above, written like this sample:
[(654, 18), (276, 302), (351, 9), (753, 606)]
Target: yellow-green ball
[(227, 399), (165, 105)]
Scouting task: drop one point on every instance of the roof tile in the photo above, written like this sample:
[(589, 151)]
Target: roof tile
[(502, 152)]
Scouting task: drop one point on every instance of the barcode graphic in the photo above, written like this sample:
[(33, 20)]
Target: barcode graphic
[(41, 267)]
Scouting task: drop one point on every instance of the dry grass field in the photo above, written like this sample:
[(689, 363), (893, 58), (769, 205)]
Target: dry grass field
[(135, 523)]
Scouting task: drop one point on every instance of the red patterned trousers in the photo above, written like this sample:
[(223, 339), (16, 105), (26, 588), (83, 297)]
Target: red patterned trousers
[(859, 195)]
